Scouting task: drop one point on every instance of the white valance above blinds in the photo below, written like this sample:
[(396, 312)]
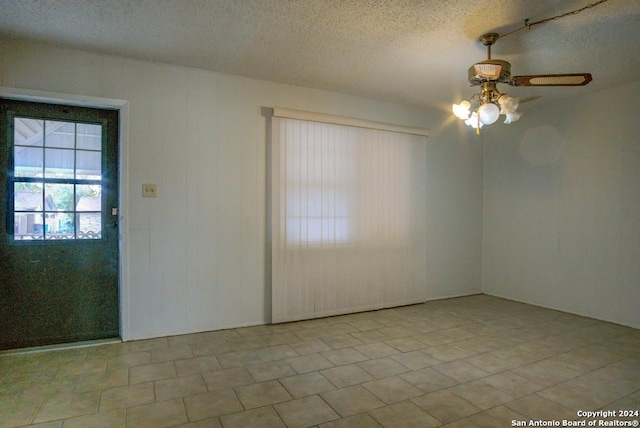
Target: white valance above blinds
[(348, 121)]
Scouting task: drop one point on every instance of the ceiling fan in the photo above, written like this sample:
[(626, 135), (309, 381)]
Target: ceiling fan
[(485, 107)]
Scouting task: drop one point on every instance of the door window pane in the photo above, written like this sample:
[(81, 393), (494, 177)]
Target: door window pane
[(58, 163), (60, 134), (89, 137), (89, 165), (59, 226), (28, 226), (89, 226), (58, 197), (27, 196), (88, 198), (28, 132), (27, 161)]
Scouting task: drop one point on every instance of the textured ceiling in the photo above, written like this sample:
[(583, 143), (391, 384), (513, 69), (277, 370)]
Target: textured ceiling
[(410, 51)]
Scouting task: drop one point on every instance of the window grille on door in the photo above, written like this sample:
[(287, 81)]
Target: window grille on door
[(55, 173)]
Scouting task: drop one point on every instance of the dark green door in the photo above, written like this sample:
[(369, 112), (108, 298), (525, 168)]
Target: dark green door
[(59, 234)]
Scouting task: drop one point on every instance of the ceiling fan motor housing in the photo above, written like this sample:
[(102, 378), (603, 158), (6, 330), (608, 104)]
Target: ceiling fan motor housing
[(491, 70)]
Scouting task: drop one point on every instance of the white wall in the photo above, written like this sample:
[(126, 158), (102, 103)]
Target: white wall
[(562, 207), (194, 257), (454, 204)]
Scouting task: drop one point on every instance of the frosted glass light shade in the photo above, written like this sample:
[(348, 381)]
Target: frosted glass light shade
[(473, 121), (462, 110), (489, 113), (508, 104), (512, 117)]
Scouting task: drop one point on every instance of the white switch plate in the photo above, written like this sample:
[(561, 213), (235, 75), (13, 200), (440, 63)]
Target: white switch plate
[(149, 190)]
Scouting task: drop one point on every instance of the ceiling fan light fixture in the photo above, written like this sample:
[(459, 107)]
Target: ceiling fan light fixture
[(488, 113), (485, 107), (473, 121), (508, 104), (512, 117), (462, 110)]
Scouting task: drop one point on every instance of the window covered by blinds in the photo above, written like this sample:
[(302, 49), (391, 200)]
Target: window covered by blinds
[(348, 218)]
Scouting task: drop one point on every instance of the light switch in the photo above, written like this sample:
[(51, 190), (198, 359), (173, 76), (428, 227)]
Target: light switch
[(149, 190)]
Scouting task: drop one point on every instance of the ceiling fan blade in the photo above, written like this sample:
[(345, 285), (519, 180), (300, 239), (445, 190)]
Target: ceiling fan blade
[(572, 79)]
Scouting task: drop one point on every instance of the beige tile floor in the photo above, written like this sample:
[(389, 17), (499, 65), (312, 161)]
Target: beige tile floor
[(465, 362)]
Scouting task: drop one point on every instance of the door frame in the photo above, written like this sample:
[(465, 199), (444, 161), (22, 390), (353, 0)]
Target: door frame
[(123, 171)]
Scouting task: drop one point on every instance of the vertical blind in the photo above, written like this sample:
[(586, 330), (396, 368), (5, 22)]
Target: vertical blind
[(348, 218)]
